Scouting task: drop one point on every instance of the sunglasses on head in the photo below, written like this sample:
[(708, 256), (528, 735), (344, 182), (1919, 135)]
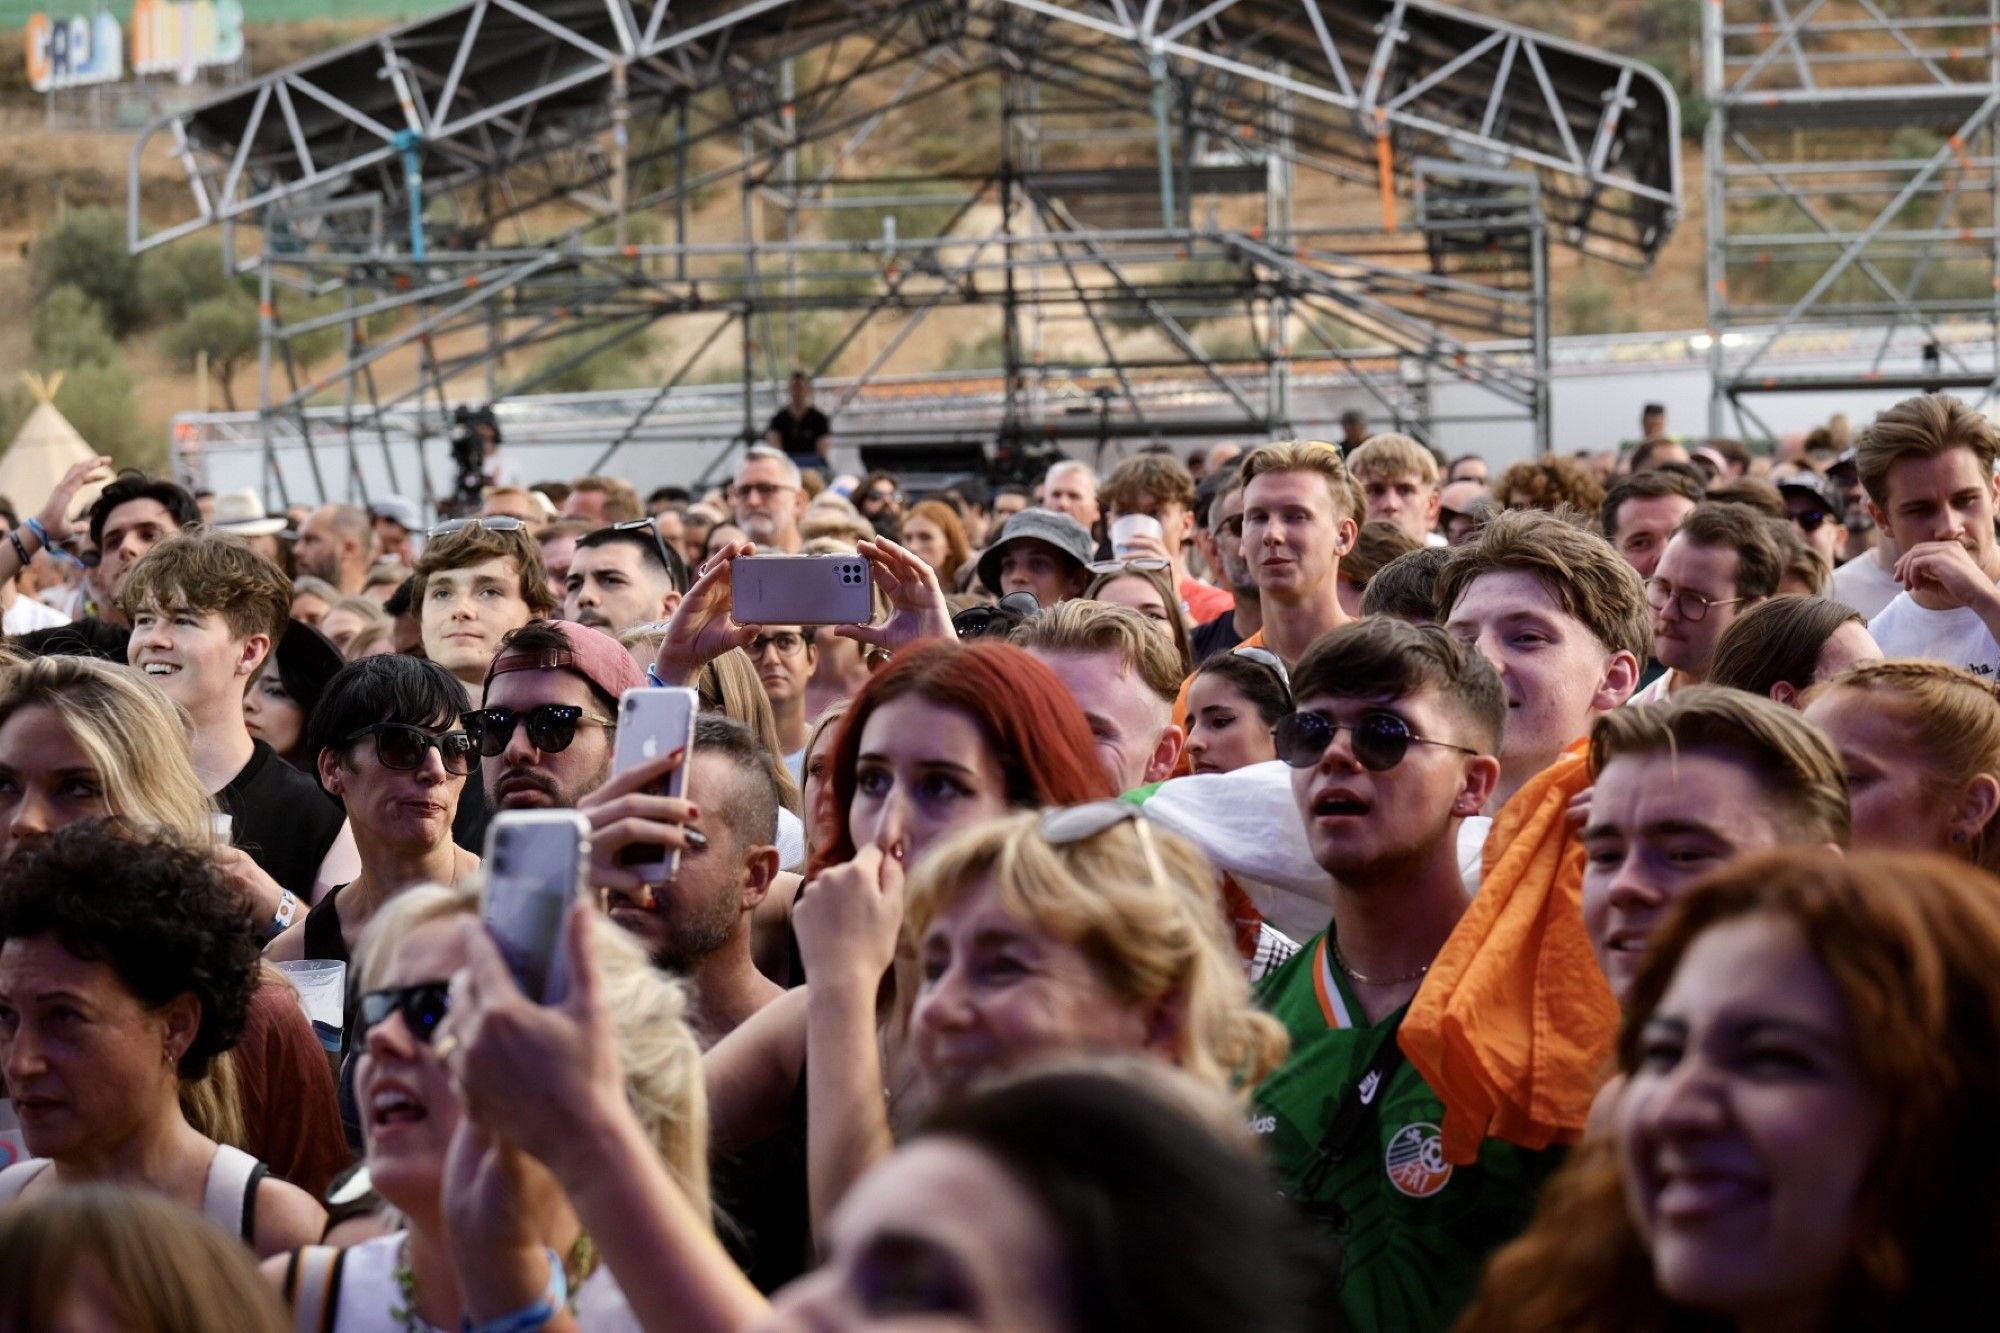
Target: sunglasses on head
[(1067, 824), (551, 727), (490, 522), (1380, 739), (670, 559), (401, 746), (423, 1007), (1138, 564)]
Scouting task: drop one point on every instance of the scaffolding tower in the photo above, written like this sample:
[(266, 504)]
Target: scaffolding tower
[(1850, 165), (1152, 203)]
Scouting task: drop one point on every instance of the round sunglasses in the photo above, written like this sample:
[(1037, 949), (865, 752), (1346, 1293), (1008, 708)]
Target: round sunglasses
[(400, 746), (1380, 739), (423, 1007), (551, 727)]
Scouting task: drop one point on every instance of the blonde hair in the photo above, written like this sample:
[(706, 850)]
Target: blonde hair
[(136, 737), (1953, 718), (1924, 426), (827, 523), (729, 685), (1080, 626), (648, 1011), (1389, 456), (1149, 938), (1305, 456)]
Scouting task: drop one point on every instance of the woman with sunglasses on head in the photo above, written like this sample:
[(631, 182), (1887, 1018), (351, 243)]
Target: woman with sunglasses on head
[(387, 744), (1145, 586), (111, 1002), (1236, 698), (426, 1161)]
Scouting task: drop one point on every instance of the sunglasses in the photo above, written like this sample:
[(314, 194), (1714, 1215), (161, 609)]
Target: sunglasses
[(1380, 739), (551, 727), (669, 558), (490, 523), (1137, 565), (423, 1007), (999, 618), (1068, 824), (401, 746), (1812, 520)]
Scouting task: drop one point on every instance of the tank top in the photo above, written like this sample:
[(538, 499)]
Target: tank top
[(229, 1198)]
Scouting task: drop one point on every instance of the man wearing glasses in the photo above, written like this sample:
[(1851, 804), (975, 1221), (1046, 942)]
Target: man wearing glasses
[(206, 611), (551, 705), (1817, 511), (622, 576), (1719, 564), (1391, 747), (768, 499), (1246, 617)]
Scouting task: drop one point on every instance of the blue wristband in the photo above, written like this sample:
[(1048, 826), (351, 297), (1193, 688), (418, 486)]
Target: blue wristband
[(34, 525), (554, 1296), (653, 678)]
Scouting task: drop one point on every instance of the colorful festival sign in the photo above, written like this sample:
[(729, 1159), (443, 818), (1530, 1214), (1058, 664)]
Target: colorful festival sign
[(179, 38)]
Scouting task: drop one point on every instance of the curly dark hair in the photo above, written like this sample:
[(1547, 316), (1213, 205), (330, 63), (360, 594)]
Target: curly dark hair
[(1550, 482), (155, 910)]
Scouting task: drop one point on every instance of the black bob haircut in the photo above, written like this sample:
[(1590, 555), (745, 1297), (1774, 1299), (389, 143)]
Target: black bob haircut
[(156, 911), (389, 687)]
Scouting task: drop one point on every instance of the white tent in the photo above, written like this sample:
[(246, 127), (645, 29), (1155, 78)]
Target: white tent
[(46, 448)]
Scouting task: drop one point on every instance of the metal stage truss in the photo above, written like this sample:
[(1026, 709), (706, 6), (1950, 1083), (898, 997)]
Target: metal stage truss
[(1155, 199), (1851, 172)]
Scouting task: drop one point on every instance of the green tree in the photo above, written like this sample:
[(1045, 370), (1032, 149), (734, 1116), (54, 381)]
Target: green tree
[(176, 278), (69, 332), (87, 250), (224, 327)]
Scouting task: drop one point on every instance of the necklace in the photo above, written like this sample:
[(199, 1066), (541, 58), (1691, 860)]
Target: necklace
[(1360, 980)]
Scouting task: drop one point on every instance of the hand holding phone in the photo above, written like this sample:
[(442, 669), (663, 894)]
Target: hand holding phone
[(801, 590), (653, 723), (701, 628), (534, 872)]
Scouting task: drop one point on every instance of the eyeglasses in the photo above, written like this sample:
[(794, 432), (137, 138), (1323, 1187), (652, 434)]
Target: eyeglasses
[(787, 643), (759, 490), (1068, 824), (881, 497), (1264, 657), (401, 746), (1000, 618), (1136, 565), (670, 559), (1812, 520), (1692, 606), (551, 727), (423, 1007), (488, 523), (1380, 739)]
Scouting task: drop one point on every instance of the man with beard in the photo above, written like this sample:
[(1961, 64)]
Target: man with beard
[(336, 544), (768, 498), (621, 577), (697, 923), (1225, 525), (550, 716)]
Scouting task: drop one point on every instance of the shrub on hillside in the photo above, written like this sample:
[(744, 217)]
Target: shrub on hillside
[(224, 327), (69, 332), (176, 278), (87, 250)]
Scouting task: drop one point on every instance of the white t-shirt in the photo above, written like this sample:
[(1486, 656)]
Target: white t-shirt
[(1957, 637), (1865, 586), (29, 614)]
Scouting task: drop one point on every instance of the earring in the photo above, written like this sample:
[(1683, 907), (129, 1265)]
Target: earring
[(1959, 837)]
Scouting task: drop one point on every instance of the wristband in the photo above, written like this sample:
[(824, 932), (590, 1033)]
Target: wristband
[(546, 1307), (19, 549), (288, 908), (34, 525), (653, 678)]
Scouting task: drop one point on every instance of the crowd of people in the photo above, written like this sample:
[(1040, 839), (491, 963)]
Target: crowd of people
[(1292, 886)]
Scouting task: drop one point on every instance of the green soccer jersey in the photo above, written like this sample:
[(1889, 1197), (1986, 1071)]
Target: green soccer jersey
[(1413, 1231)]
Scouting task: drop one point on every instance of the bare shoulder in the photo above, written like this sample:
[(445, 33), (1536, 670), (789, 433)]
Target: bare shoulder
[(287, 1217)]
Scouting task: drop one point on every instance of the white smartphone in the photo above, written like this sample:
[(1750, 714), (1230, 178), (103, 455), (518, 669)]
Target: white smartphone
[(1129, 526), (653, 722), (801, 590), (534, 871)]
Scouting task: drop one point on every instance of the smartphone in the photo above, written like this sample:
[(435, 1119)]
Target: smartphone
[(1129, 526), (653, 722), (801, 590), (534, 871)]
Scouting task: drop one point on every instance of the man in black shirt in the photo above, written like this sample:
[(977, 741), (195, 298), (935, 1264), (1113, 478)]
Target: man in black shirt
[(205, 611), (1225, 524), (800, 429)]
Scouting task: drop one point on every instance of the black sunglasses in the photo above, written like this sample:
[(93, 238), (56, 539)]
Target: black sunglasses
[(401, 746), (1380, 739), (423, 1006), (1812, 520), (551, 727), (1000, 618)]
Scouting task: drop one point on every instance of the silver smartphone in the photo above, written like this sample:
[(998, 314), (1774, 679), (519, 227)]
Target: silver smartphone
[(801, 590), (651, 723), (534, 871)]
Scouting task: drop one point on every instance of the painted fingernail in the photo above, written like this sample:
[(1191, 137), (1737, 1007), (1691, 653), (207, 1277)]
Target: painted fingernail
[(693, 813), (696, 838)]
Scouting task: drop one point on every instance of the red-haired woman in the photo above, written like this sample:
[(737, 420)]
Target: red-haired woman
[(1811, 1054)]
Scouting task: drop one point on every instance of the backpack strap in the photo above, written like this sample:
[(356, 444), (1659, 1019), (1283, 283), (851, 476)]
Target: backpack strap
[(312, 1286)]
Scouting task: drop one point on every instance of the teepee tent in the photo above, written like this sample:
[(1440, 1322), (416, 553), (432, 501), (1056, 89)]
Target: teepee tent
[(44, 450)]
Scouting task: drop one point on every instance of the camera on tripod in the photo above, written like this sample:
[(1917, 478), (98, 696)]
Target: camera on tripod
[(473, 430)]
